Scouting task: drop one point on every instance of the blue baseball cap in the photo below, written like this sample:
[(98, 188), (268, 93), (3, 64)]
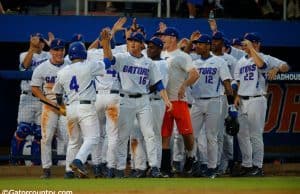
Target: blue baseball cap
[(204, 38), (171, 31), (218, 35), (77, 37), (57, 43), (252, 37), (226, 43), (137, 36), (156, 41), (40, 35)]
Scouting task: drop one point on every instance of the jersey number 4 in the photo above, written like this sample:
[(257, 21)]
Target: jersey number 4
[(73, 84)]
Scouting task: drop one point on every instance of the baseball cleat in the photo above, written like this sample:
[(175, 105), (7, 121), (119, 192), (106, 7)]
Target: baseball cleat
[(188, 164), (155, 173), (69, 175), (79, 169), (46, 173), (256, 171)]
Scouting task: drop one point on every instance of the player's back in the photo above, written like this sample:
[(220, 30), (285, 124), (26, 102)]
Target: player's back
[(78, 80)]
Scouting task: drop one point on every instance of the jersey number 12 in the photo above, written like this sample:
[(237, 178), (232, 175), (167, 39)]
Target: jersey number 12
[(73, 84)]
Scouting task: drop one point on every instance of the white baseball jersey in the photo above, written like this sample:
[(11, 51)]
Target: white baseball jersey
[(77, 80), (136, 74), (252, 80), (45, 76), (37, 59), (179, 64), (212, 71), (252, 111), (109, 80), (163, 69)]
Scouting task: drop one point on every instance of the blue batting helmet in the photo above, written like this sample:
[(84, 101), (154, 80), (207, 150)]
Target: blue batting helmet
[(77, 50)]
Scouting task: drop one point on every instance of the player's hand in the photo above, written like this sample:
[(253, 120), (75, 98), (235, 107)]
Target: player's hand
[(169, 105), (272, 73), (181, 92), (50, 38), (162, 27), (237, 101), (248, 44), (195, 35), (213, 25), (62, 110), (34, 43), (105, 37), (118, 25)]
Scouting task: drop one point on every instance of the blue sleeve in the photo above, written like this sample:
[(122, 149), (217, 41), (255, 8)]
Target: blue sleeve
[(108, 63), (159, 86)]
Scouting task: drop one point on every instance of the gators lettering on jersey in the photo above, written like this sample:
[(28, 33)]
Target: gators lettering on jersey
[(136, 74), (212, 71), (252, 80)]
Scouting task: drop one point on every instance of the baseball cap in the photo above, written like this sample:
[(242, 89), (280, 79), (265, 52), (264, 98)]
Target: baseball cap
[(226, 43), (77, 37), (204, 38), (137, 36), (252, 36), (156, 41), (40, 35), (171, 31), (236, 41), (57, 43), (218, 35)]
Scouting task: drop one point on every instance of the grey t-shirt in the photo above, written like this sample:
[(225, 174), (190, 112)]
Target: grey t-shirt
[(179, 65)]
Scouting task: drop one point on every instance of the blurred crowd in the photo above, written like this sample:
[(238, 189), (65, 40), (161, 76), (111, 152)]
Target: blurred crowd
[(250, 9)]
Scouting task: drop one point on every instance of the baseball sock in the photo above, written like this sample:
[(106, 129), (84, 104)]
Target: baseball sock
[(166, 160)]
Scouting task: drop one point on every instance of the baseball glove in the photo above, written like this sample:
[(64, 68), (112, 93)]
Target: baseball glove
[(232, 126)]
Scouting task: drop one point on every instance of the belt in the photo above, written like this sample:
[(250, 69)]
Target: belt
[(249, 97), (206, 98), (24, 92), (107, 92), (132, 95), (155, 98), (85, 102)]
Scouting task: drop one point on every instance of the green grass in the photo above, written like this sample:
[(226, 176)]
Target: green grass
[(179, 185)]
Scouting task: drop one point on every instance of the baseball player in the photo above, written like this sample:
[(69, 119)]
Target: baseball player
[(138, 148), (252, 106), (29, 107), (77, 81), (206, 108), (181, 75), (235, 52), (42, 81), (225, 153), (136, 74)]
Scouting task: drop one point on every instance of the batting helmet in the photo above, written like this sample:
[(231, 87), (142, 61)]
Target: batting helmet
[(77, 50), (232, 126)]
